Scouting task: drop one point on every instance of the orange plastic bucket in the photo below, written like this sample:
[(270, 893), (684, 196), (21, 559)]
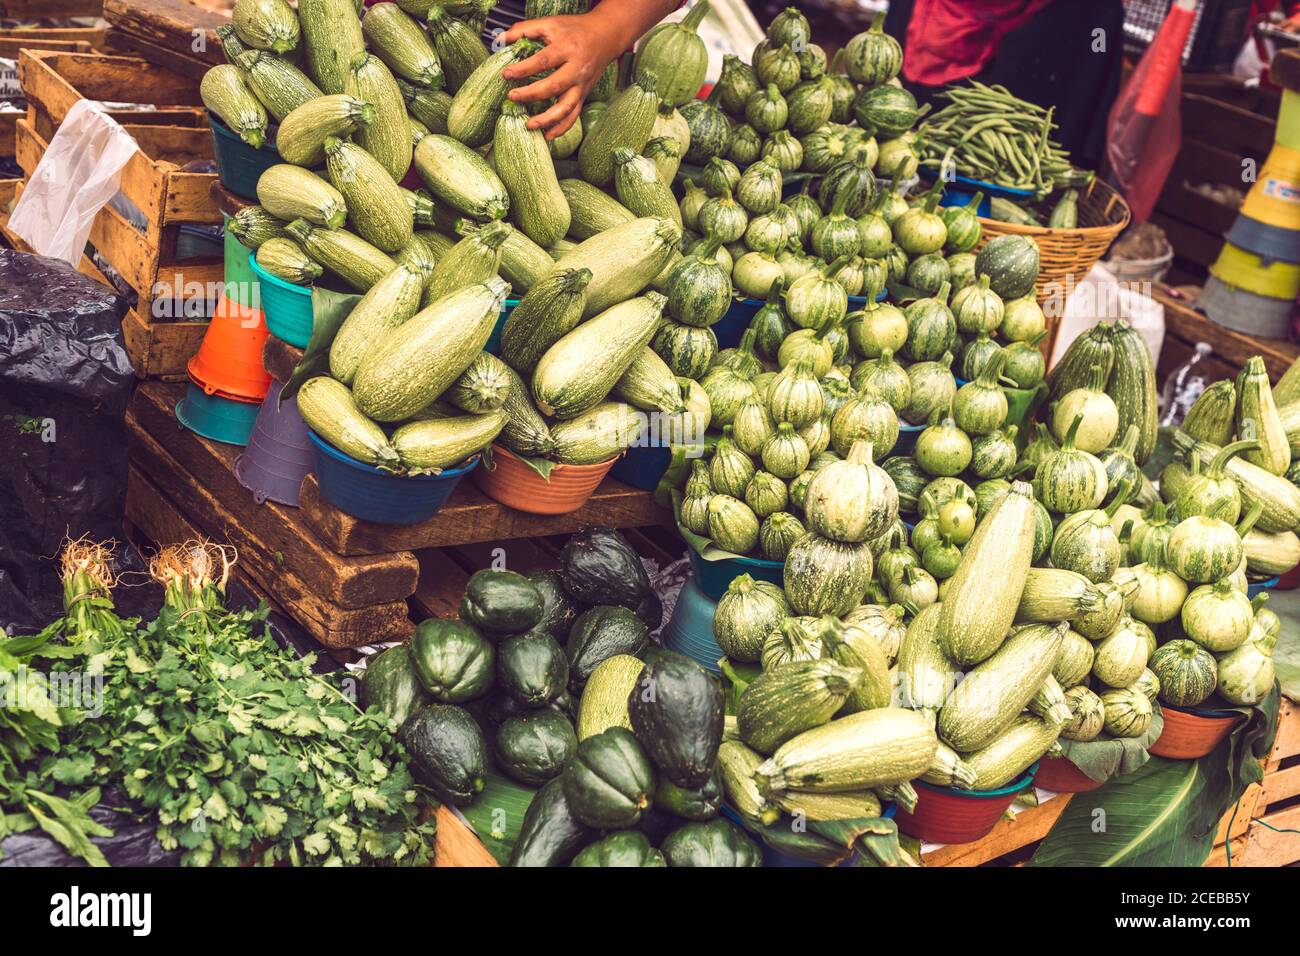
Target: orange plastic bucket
[(229, 362), (511, 482), (1062, 776), (1190, 736)]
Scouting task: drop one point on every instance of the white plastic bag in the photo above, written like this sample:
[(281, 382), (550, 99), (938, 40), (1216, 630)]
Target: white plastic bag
[(1099, 296), (74, 180)]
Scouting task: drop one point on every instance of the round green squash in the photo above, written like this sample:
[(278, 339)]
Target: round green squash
[(609, 781), (718, 842), (1011, 263), (873, 57), (534, 747), (532, 668), (822, 576), (453, 661), (624, 848), (1186, 671), (500, 603)]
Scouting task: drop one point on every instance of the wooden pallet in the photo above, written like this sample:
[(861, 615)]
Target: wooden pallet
[(1279, 802), (1184, 327), (169, 288), (174, 34), (59, 41)]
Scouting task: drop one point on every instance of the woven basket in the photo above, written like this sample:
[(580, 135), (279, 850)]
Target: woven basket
[(1066, 255)]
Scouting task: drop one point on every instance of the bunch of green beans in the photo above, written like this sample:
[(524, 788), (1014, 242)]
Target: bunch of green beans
[(997, 138)]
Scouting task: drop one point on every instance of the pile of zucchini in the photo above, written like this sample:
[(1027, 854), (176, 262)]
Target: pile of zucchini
[(550, 679)]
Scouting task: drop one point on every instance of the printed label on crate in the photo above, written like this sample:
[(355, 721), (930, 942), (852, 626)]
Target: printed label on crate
[(1284, 190), (10, 88)]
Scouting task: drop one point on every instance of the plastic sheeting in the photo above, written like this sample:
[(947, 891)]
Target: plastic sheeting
[(65, 381)]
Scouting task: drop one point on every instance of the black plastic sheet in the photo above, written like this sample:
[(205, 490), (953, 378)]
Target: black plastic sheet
[(65, 381)]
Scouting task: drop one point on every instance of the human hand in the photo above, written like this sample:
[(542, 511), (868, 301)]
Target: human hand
[(577, 49)]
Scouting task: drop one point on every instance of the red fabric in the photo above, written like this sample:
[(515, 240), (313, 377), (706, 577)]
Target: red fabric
[(949, 40)]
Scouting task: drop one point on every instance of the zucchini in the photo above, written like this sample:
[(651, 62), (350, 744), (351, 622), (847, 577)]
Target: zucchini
[(680, 722), (949, 770), (855, 648), (525, 432), (925, 674), (623, 260), (1257, 418), (1011, 752), (461, 178), (1132, 386), (1055, 594), (1212, 416), (446, 752), (1279, 498), (331, 32), (445, 442), (550, 834), (1287, 389), (482, 387), (1271, 553), (225, 93), (592, 210), (423, 211), (550, 310), (284, 259), (628, 123), (330, 411), (477, 103), (872, 748), (649, 384), (783, 702), (253, 225), (639, 188), (348, 256), (388, 138), (604, 698), (389, 302), (537, 204), (266, 24), (232, 48), (378, 211), (737, 764), (995, 691), (459, 49), (853, 805), (430, 107), (982, 595), (523, 262), (402, 45), (278, 84), (291, 192), (415, 362), (580, 369), (472, 260), (1288, 414), (302, 134), (597, 435)]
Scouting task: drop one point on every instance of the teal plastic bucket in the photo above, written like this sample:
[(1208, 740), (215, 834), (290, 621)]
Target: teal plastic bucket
[(287, 307), (221, 419), (714, 577), (240, 166), (690, 630), (493, 346)]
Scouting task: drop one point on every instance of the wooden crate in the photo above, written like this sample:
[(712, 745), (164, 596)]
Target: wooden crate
[(32, 10), (158, 338), (174, 34), (1184, 327)]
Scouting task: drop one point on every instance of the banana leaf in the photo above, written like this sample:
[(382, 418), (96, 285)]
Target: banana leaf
[(1167, 812), (498, 812), (830, 843), (735, 678), (701, 545), (1108, 757), (329, 309)]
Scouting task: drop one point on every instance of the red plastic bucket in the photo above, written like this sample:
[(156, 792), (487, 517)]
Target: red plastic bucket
[(949, 815), (513, 483), (1189, 735), (1060, 775)]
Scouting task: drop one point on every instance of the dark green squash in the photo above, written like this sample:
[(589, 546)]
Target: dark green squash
[(600, 567), (609, 780), (534, 747), (676, 710), (550, 835), (600, 633), (691, 803), (559, 611), (532, 668), (625, 848), (452, 660), (500, 603), (391, 684), (718, 842), (446, 752)]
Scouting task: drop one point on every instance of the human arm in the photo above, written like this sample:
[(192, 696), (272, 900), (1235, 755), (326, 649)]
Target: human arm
[(577, 48)]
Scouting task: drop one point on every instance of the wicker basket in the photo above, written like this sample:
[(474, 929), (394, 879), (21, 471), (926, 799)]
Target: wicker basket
[(1066, 255)]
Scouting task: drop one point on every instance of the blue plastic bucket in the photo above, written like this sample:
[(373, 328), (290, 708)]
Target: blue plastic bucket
[(907, 435), (373, 494), (643, 466), (962, 190), (212, 416), (1258, 587), (732, 325), (240, 166), (493, 346), (714, 577), (287, 307), (690, 630)]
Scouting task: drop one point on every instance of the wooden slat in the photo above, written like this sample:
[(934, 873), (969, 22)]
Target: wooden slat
[(1287, 741), (1183, 203), (1229, 345), (1007, 835), (442, 582), (456, 845), (42, 9), (1284, 70), (1245, 812), (9, 46), (226, 201), (350, 582), (91, 36), (164, 31), (1267, 847), (160, 350), (1280, 785), (470, 516), (150, 509), (1218, 858)]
